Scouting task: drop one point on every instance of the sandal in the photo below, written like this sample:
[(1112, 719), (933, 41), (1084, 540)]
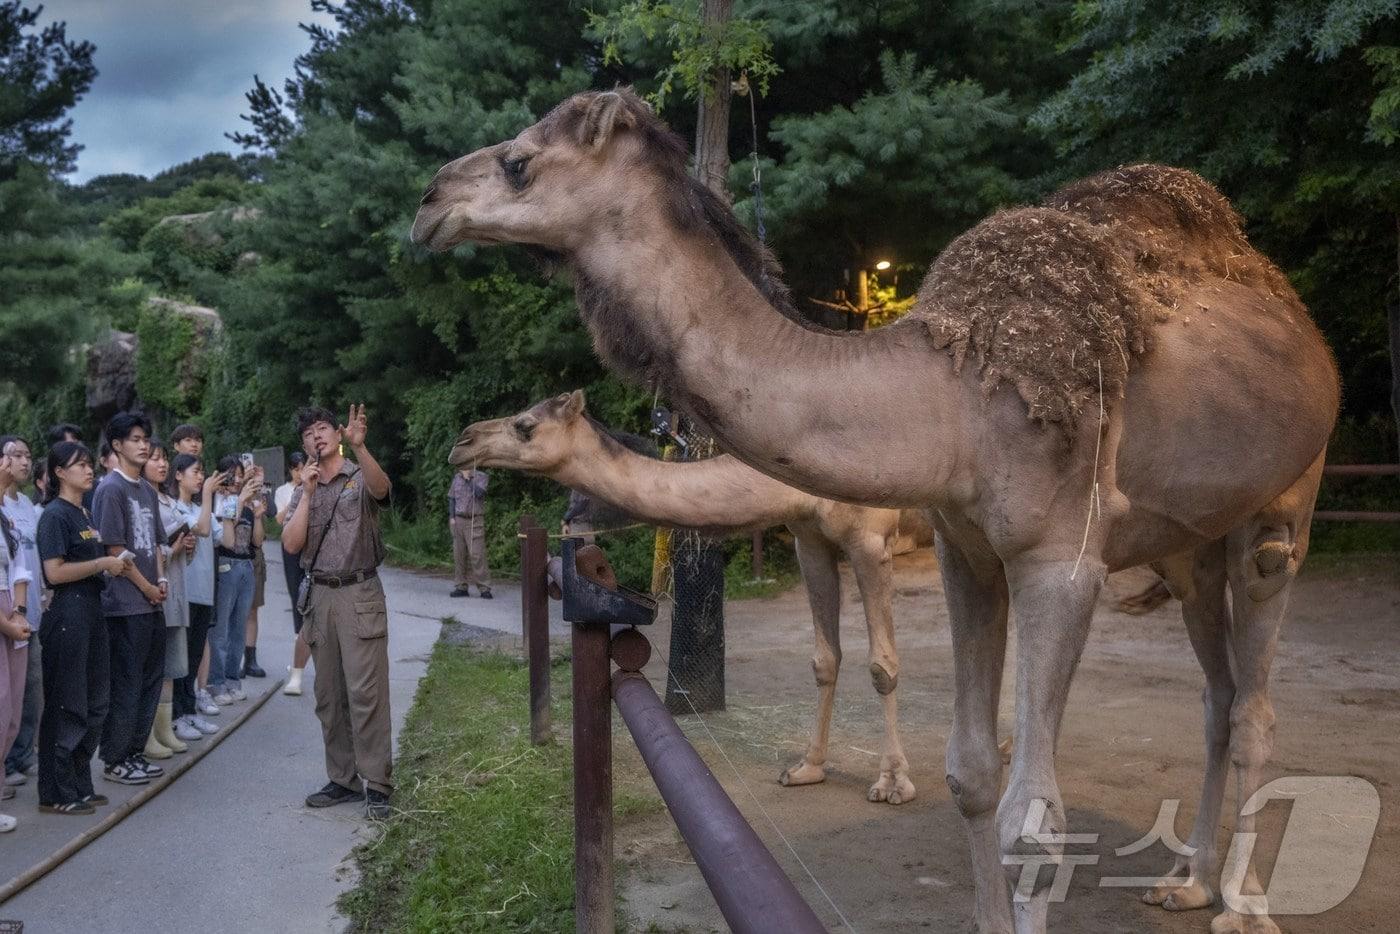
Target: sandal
[(72, 807)]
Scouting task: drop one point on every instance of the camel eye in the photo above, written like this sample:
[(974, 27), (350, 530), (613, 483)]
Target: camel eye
[(515, 171), (524, 430)]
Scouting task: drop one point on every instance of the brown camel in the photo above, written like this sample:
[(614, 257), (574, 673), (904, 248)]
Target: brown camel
[(720, 496), (1115, 377)]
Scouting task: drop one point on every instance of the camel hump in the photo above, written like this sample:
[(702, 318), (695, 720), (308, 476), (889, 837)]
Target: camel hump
[(1175, 227), (1044, 300), (1148, 195)]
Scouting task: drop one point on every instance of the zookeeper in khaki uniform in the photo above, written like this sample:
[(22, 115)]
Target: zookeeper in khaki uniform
[(334, 527)]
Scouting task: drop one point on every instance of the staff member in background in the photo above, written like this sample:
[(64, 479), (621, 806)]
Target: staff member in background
[(334, 527), (15, 578), (466, 501), (76, 679), (292, 572), (24, 522), (128, 516)]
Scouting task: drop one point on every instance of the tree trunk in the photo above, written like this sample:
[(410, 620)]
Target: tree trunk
[(712, 128), (697, 564), (1393, 312)]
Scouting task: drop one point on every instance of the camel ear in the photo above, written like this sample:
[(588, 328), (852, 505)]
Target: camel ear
[(606, 113), (573, 408)]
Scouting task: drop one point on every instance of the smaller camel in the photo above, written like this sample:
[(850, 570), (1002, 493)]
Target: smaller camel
[(721, 496)]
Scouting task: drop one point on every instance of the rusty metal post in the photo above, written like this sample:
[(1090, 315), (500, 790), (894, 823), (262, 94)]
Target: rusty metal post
[(594, 895), (534, 612)]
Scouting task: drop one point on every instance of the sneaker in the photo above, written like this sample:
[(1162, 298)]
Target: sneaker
[(76, 808), (460, 592), (333, 794), (486, 593), (202, 725), (376, 805), (223, 699), (7, 792), (126, 773), (238, 694), (204, 703), (146, 765), (15, 778), (7, 823), (185, 730), (96, 799)]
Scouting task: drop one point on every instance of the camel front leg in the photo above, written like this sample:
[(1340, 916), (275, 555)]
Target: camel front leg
[(874, 568), (1199, 581), (975, 585), (817, 559), (1054, 603)]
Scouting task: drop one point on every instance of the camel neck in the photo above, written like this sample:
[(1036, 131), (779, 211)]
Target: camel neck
[(718, 495), (805, 406)]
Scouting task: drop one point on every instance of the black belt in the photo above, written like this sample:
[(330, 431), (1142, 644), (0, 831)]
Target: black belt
[(343, 580)]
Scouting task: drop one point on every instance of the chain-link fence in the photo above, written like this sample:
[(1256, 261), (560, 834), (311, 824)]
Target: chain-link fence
[(696, 679)]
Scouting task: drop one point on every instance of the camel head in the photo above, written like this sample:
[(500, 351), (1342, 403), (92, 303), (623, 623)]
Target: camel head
[(538, 440), (592, 161)]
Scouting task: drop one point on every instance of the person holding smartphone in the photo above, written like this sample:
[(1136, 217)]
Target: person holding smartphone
[(76, 669), (195, 500), (239, 509), (15, 578), (174, 533)]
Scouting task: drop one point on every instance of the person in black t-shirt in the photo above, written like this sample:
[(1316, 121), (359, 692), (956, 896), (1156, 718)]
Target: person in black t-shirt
[(76, 679)]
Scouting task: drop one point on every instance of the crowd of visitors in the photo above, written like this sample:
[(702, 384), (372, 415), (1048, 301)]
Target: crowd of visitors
[(128, 604)]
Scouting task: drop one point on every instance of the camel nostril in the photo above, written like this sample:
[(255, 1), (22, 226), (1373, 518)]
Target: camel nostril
[(430, 195)]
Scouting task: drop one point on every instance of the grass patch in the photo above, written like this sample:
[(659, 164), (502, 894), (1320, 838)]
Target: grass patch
[(482, 834)]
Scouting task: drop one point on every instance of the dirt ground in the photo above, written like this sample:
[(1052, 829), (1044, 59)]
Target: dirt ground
[(1132, 737)]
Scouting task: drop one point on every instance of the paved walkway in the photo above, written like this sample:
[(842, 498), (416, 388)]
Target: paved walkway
[(229, 846)]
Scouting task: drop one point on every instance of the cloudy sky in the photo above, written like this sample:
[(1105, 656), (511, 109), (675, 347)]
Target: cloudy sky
[(172, 74)]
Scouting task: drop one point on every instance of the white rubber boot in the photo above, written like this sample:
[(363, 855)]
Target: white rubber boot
[(293, 685), (163, 732)]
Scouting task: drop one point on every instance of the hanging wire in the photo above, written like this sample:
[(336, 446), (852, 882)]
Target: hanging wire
[(754, 797), (755, 186)]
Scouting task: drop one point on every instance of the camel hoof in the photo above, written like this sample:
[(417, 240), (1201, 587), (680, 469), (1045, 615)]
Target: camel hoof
[(803, 773), (892, 788), (1187, 896), (1232, 922)]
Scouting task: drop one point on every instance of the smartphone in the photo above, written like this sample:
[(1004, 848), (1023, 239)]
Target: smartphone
[(246, 459), (126, 555), (183, 529)]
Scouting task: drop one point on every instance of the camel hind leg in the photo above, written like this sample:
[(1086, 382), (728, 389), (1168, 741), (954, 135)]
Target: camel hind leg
[(817, 559), (1262, 559), (1198, 579), (873, 565)]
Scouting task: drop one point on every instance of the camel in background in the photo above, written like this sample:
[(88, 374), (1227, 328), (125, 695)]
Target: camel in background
[(1111, 378), (720, 496)]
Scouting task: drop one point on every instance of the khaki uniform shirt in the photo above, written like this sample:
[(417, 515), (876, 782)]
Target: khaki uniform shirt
[(353, 542)]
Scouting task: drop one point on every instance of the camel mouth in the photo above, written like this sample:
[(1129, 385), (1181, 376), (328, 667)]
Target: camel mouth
[(426, 225), (461, 455)]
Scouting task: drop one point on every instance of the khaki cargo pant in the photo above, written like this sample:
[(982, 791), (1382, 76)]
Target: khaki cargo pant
[(469, 551), (347, 630)]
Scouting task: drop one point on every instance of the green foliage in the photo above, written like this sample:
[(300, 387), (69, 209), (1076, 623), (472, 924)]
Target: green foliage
[(42, 74), (698, 50), (164, 375)]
